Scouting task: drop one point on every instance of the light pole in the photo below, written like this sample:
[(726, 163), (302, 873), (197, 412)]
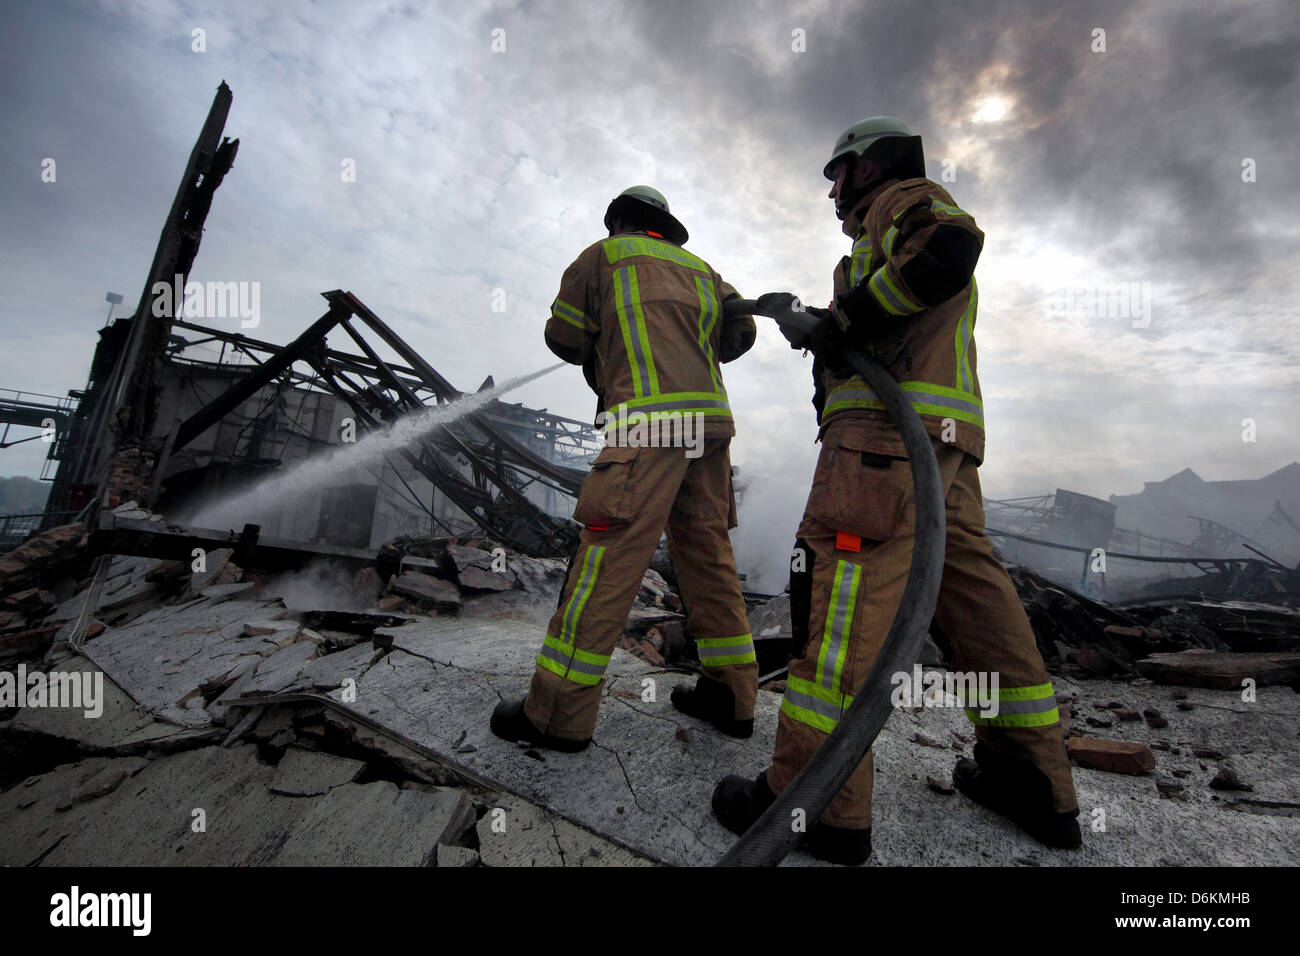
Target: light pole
[(112, 298)]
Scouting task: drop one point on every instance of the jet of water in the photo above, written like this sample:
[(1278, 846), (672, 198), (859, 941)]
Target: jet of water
[(271, 496)]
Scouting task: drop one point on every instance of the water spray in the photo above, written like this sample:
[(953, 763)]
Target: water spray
[(309, 475)]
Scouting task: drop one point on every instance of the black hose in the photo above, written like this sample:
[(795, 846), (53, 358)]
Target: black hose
[(772, 836)]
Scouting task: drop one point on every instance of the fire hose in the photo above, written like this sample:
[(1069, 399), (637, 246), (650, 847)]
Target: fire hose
[(773, 835)]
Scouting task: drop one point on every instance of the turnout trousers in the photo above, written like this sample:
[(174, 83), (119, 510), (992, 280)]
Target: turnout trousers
[(854, 550), (632, 496)]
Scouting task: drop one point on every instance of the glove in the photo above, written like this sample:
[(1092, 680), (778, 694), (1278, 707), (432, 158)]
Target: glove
[(803, 328), (859, 311)]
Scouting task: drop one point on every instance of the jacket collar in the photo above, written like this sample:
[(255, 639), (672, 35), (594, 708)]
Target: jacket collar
[(854, 221)]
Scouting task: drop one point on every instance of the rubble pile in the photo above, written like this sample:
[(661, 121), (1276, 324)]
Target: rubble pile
[(1225, 639), (187, 659)]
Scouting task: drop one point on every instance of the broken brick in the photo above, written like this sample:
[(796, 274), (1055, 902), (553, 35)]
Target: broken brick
[(1111, 756)]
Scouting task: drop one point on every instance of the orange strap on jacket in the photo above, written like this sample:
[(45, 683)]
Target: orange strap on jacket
[(847, 542)]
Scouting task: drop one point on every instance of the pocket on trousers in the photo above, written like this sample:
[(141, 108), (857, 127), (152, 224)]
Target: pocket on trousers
[(861, 492), (606, 491)]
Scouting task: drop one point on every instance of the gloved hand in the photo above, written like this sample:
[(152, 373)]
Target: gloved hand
[(803, 328), (858, 307)]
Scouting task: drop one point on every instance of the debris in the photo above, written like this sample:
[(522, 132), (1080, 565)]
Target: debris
[(427, 591), (1112, 756), (938, 786), (305, 773), (1168, 787), (1200, 668), (1227, 779), (456, 856)]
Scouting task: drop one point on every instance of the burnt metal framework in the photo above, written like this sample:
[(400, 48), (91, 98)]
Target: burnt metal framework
[(502, 468), (1039, 517), (118, 406), (23, 410)]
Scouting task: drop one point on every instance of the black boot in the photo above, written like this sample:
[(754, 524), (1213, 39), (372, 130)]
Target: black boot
[(1019, 791), (713, 701), (509, 722), (738, 802), (838, 845)]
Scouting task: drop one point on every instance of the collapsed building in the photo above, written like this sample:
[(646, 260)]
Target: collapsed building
[(340, 650)]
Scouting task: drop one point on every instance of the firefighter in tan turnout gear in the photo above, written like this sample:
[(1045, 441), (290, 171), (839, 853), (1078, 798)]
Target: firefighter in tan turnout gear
[(644, 318), (907, 295)]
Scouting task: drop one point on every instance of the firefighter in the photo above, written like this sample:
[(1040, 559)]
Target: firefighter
[(907, 295), (644, 318)]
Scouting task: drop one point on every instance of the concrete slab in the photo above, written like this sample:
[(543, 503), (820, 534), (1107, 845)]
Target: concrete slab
[(123, 727), (456, 856), (644, 787), (307, 773), (163, 658), (214, 807)]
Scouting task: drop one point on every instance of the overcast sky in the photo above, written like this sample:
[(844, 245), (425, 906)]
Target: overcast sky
[(481, 169)]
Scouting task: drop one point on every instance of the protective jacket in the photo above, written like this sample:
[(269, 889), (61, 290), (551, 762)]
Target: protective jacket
[(914, 252), (644, 318)]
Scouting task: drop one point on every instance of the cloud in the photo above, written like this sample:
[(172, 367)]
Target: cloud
[(480, 170)]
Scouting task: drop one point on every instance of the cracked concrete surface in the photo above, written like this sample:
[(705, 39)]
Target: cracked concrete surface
[(647, 780), (644, 787)]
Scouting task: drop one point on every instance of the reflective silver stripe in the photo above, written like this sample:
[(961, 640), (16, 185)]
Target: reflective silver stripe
[(578, 598), (890, 235), (628, 314), (565, 309), (862, 251), (732, 650), (689, 404), (710, 313), (967, 326), (815, 704), (835, 629), (923, 398), (708, 318), (572, 663), (881, 288), (1039, 706)]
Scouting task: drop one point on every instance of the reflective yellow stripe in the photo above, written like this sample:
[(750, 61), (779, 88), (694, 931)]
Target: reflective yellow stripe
[(939, 206), (861, 259), (567, 313), (726, 651), (1033, 706), (708, 319), (926, 398), (622, 247), (668, 405), (834, 648), (636, 340), (813, 705), (888, 242), (561, 655), (887, 293), (962, 337)]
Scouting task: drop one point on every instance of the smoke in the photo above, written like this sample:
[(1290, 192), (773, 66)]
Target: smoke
[(769, 507), (318, 587), (285, 489)]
